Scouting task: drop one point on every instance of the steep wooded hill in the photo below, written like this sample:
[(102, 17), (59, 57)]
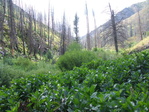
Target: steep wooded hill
[(26, 32)]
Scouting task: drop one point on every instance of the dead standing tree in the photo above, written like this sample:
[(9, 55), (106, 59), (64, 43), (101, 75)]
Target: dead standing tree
[(114, 28), (95, 37), (30, 37), (121, 30), (40, 19), (88, 31), (22, 33), (21, 25), (49, 11), (44, 26), (63, 36), (139, 23), (2, 18), (53, 29), (11, 22)]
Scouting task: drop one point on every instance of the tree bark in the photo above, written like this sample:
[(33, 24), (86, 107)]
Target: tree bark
[(140, 27), (13, 38), (2, 18), (30, 37), (49, 25), (22, 30), (63, 38), (95, 37), (53, 28), (88, 31), (114, 29)]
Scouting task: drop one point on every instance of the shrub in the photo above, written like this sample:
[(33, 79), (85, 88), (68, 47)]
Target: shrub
[(24, 63), (7, 73), (4, 77), (95, 49), (74, 46), (75, 59), (8, 61), (11, 68), (48, 56)]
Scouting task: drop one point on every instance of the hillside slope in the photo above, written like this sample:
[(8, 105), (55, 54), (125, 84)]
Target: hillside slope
[(126, 24), (25, 32), (133, 23), (142, 45)]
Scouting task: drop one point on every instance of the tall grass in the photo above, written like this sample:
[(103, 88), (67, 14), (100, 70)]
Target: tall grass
[(11, 68), (106, 54)]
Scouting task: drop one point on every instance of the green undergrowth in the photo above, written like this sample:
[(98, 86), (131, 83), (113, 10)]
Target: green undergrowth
[(107, 54), (118, 85), (75, 58), (13, 68)]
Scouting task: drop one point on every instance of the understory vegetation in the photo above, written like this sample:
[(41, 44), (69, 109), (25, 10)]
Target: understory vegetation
[(14, 68), (102, 85)]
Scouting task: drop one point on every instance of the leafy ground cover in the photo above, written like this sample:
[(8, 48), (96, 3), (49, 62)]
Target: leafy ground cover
[(120, 85)]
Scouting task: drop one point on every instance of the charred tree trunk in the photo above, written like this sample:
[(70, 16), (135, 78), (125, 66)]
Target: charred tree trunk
[(44, 27), (140, 27), (30, 38), (13, 38), (95, 38), (63, 37), (40, 19), (49, 26), (21, 27), (22, 30), (53, 29), (114, 29), (2, 18), (88, 31)]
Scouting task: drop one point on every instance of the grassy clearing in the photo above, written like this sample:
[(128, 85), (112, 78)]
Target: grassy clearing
[(11, 68), (140, 45), (107, 54), (14, 68)]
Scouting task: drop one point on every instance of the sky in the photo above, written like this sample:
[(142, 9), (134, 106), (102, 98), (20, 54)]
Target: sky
[(71, 7)]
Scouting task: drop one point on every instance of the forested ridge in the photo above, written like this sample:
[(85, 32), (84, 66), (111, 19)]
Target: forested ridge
[(45, 68), (28, 32)]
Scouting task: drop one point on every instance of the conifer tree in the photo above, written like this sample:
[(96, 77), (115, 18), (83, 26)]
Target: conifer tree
[(76, 28)]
